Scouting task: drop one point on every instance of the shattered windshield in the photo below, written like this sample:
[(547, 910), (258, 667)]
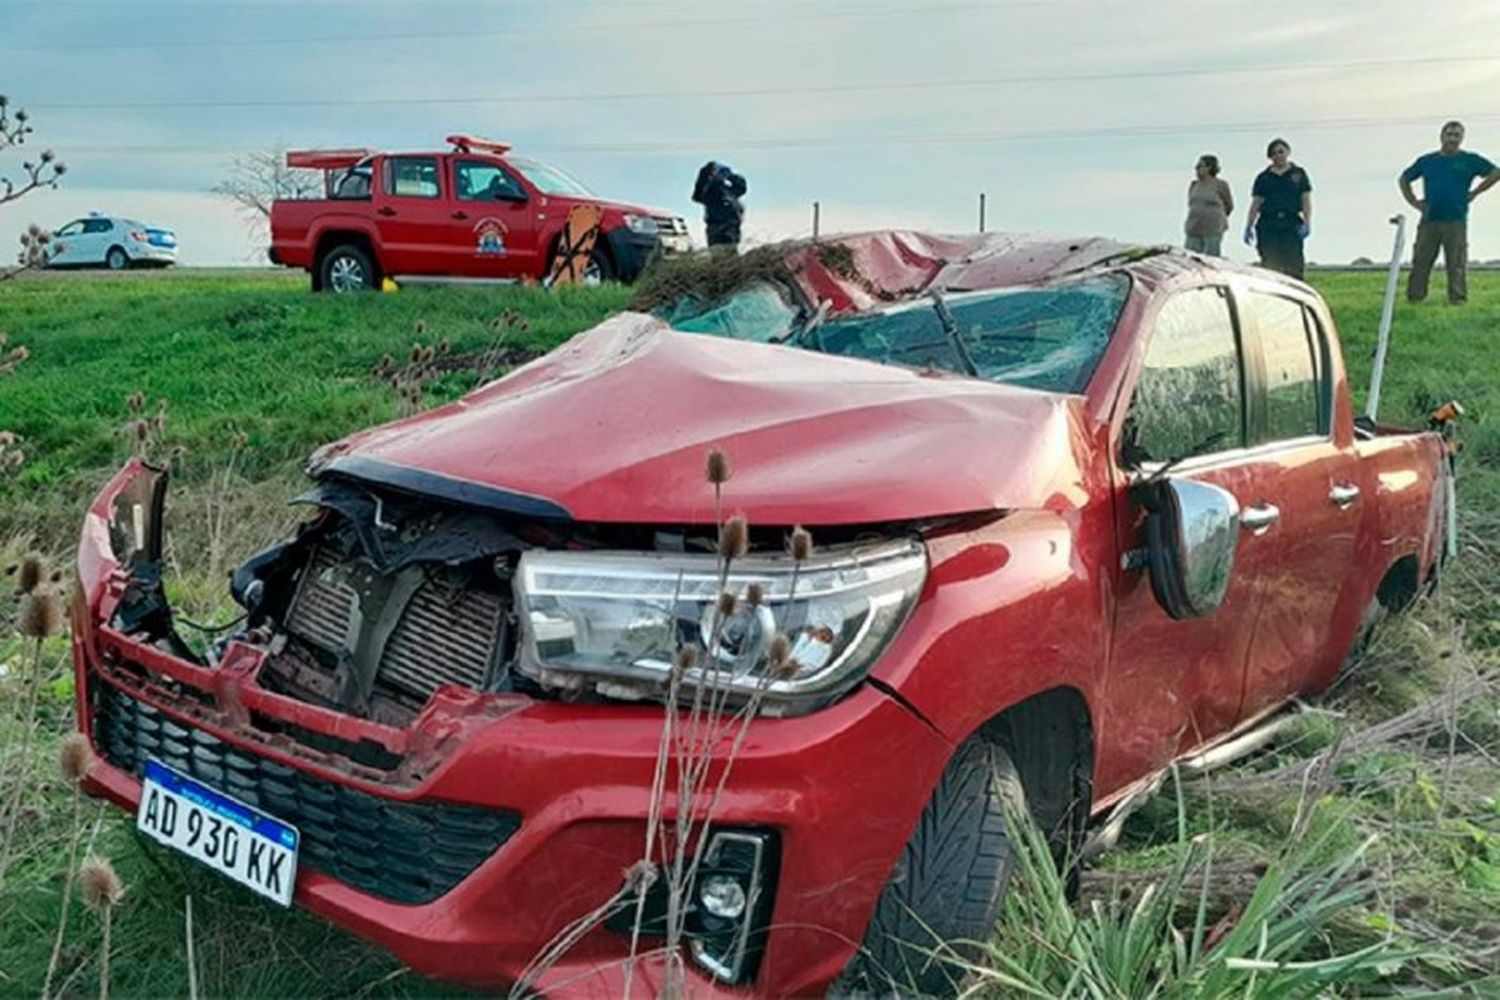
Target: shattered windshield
[(1043, 337)]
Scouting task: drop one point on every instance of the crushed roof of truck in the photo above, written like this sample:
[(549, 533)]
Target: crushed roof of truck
[(860, 271)]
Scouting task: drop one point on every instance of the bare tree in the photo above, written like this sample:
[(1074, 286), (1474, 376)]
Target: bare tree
[(254, 180), (41, 171)]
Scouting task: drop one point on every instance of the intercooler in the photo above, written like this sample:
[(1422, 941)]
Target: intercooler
[(401, 635)]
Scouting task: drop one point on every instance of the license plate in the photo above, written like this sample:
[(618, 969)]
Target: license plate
[(234, 839)]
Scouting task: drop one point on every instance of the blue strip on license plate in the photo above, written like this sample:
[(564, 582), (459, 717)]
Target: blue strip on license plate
[(237, 840)]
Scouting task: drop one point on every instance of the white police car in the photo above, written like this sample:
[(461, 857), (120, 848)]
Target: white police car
[(102, 241)]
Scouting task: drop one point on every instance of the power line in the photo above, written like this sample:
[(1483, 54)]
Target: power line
[(870, 140), (568, 30), (786, 91)]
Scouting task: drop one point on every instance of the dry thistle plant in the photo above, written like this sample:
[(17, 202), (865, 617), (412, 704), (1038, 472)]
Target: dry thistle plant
[(40, 617), (102, 890), (146, 432), (74, 760)]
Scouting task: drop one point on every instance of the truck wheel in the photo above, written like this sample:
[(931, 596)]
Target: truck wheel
[(346, 268), (948, 884), (599, 269), (116, 260)]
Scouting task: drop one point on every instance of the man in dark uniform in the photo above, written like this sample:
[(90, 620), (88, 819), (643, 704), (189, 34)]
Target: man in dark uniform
[(719, 190), (1280, 217), (1447, 176)]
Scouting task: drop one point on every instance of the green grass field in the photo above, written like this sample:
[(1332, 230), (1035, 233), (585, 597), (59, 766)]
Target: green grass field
[(259, 357)]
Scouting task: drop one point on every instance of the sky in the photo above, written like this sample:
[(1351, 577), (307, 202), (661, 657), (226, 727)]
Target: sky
[(1072, 116)]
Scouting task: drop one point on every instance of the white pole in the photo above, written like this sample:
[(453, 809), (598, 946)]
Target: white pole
[(1392, 279)]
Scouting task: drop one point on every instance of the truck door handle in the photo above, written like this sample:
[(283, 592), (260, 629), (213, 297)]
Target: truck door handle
[(1343, 494), (385, 210), (460, 215), (1260, 517)]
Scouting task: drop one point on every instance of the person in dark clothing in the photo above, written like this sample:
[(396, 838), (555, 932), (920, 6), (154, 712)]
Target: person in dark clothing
[(1447, 178), (1280, 217), (719, 190)]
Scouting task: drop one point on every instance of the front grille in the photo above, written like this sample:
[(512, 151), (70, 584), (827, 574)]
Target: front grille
[(671, 225), (447, 633), (406, 852)]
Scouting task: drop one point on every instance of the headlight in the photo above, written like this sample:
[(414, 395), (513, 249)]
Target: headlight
[(642, 224), (615, 621)]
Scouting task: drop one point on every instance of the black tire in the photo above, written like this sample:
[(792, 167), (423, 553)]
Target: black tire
[(599, 269), (949, 884), (116, 259), (346, 268)]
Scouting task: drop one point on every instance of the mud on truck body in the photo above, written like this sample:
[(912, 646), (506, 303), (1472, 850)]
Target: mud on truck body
[(1080, 509)]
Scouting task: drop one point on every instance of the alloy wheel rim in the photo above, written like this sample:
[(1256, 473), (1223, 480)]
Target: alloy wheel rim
[(346, 275)]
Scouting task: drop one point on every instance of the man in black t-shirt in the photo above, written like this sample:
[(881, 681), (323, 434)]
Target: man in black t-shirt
[(1280, 212)]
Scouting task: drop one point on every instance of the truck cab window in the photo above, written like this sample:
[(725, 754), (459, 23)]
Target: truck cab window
[(1190, 395), (411, 177), (1295, 405), (477, 181), (354, 185)]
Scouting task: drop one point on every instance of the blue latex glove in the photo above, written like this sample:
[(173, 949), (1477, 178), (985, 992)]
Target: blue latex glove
[(1249, 237), (1304, 231)]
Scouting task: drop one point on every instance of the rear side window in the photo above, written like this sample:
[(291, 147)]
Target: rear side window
[(411, 177), (1292, 353), (97, 226), (1190, 396)]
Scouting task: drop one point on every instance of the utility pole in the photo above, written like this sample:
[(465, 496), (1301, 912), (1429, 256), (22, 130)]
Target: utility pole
[(981, 211), (816, 210)]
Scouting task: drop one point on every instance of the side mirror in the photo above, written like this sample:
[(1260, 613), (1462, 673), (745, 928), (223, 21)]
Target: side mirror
[(1192, 531)]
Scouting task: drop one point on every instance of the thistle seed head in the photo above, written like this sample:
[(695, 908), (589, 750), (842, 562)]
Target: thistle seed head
[(33, 569), (420, 327), (41, 615), (75, 757), (727, 605), (416, 353), (685, 660), (135, 402), (734, 538), (444, 346), (142, 429), (780, 650), (755, 595), (100, 887), (717, 467), (801, 544)]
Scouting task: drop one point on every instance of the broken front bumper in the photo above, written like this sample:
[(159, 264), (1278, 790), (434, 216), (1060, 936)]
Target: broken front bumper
[(465, 842)]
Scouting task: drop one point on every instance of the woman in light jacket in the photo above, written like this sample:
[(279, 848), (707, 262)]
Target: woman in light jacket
[(1209, 205)]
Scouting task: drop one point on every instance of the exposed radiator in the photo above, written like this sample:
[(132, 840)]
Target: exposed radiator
[(446, 633)]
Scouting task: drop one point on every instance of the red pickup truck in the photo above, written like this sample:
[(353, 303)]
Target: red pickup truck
[(1077, 509), (476, 211)]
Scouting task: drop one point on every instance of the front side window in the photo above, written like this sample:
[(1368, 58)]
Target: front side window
[(477, 181), (71, 229), (1190, 395), (1292, 358), (411, 176)]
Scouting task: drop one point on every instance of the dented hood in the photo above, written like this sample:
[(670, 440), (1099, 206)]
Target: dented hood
[(614, 426)]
